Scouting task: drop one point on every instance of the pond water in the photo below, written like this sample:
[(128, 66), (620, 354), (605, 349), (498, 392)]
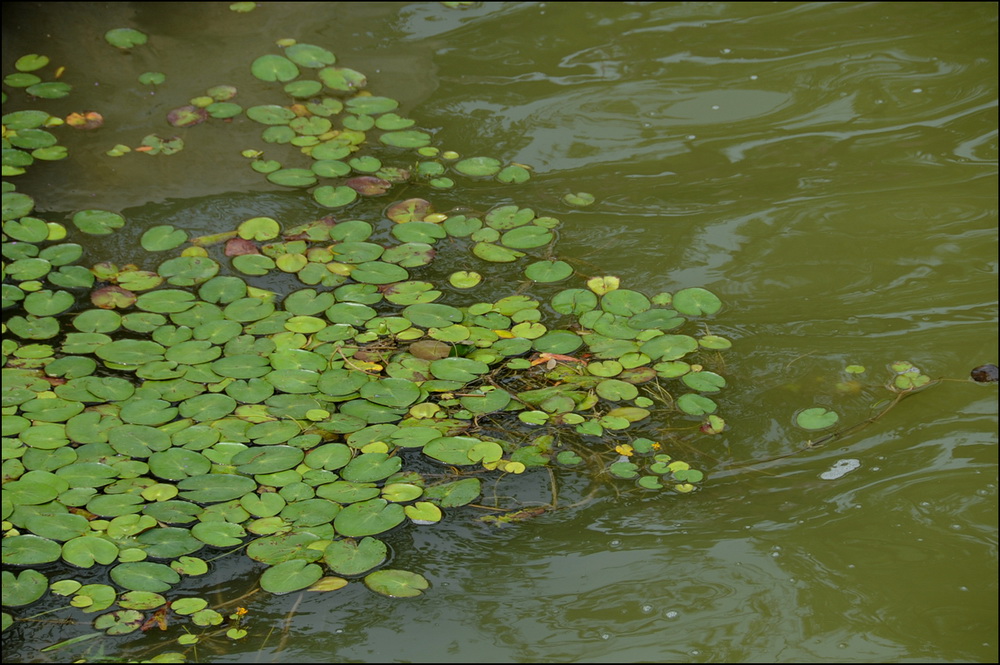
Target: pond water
[(829, 170)]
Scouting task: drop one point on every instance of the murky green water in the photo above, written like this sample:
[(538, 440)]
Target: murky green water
[(828, 169)]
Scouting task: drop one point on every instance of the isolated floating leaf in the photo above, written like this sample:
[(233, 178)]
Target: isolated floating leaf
[(98, 222), (816, 418), (125, 38), (396, 583)]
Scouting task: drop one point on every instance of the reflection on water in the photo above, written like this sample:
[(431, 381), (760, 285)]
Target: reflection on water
[(828, 169)]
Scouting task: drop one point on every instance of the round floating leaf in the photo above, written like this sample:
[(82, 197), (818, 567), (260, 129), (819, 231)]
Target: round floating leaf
[(309, 55), (368, 518), (131, 352), (152, 78), (696, 301), (334, 197), (290, 575), (424, 512), (98, 222), (463, 279), (816, 418), (706, 382), (274, 68), (215, 488), (125, 38), (145, 576), (478, 166), (451, 449), (669, 347), (29, 550), (48, 303), (377, 272), (350, 557), (271, 114), (23, 588), (341, 78), (515, 173), (548, 271), (292, 177), (163, 237), (696, 405), (391, 392), (396, 583), (407, 138), (370, 467), (30, 62)]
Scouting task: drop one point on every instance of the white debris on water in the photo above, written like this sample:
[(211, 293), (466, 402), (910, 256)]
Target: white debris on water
[(840, 468)]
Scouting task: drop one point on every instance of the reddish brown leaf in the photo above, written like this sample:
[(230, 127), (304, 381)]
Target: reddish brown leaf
[(240, 246), (369, 185)]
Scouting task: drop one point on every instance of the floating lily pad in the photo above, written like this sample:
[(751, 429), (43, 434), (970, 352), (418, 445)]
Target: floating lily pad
[(125, 38), (396, 583), (98, 222), (274, 68), (696, 301), (816, 418)]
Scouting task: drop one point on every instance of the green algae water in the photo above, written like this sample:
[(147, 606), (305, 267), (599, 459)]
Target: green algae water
[(828, 170)]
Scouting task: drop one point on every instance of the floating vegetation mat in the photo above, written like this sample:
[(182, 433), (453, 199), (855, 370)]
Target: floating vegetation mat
[(157, 415)]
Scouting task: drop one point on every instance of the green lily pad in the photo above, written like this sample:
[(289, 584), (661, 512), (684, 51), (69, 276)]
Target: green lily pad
[(163, 237), (98, 222), (368, 518), (334, 197), (696, 301), (696, 405), (23, 588), (310, 55), (816, 418), (351, 557), (396, 583), (291, 575), (145, 576), (125, 38), (478, 166), (342, 78), (548, 271), (274, 68), (407, 138)]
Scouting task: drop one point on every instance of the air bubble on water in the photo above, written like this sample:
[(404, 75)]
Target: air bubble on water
[(646, 609), (753, 77), (956, 527), (690, 137), (918, 90), (727, 50), (715, 107), (615, 543), (605, 636), (671, 614), (963, 588)]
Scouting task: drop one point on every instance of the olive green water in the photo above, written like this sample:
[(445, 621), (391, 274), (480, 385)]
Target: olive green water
[(829, 170)]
